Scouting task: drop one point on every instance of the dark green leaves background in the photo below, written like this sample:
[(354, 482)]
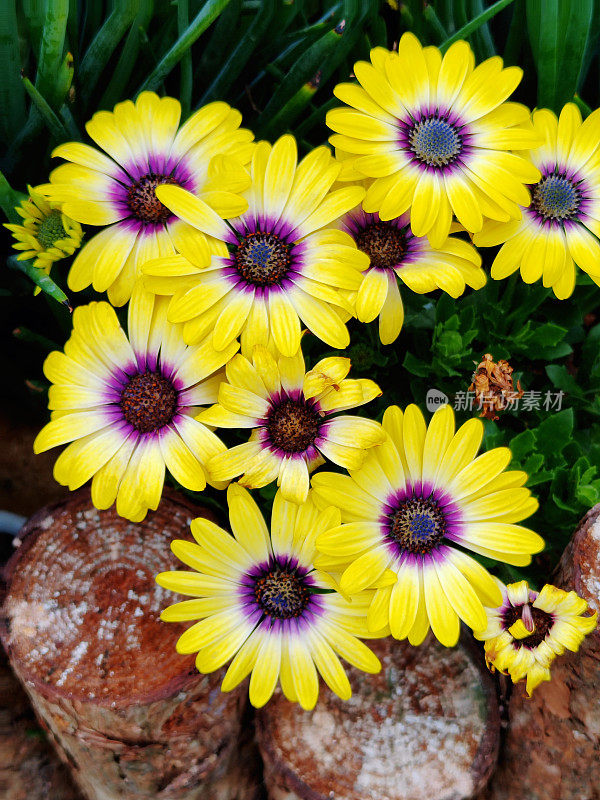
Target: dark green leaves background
[(277, 61)]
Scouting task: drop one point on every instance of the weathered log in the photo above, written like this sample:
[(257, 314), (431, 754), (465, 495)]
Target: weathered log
[(552, 746), (80, 623), (427, 726), (29, 767)]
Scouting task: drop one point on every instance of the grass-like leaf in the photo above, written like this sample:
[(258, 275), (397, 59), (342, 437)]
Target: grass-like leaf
[(51, 52), (12, 96), (40, 279), (205, 17), (558, 34), (474, 24), (55, 126), (104, 44)]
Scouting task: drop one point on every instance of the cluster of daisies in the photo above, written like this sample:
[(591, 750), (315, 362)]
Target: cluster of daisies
[(225, 249)]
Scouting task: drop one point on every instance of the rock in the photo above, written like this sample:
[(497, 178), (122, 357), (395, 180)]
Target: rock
[(427, 726)]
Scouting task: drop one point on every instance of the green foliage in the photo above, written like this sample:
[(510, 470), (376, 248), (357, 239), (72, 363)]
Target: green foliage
[(277, 61)]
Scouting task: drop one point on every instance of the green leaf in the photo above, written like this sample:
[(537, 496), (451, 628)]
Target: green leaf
[(522, 444), (185, 91), (9, 199), (51, 52), (55, 126), (129, 53), (416, 366), (103, 46), (205, 17), (555, 432), (12, 96), (241, 53), (42, 280), (558, 33), (563, 380), (475, 23)]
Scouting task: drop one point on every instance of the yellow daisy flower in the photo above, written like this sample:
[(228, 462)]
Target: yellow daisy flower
[(526, 633), (127, 405), (290, 413), (394, 252), (279, 262), (435, 134), (419, 501), (262, 604), (47, 234), (560, 227), (145, 148)]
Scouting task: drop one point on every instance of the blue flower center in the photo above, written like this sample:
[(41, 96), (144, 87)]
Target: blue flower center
[(262, 259), (281, 593), (417, 525), (556, 197), (435, 142), (51, 230)]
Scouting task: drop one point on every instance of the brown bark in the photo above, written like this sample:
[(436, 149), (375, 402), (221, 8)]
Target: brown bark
[(29, 767), (426, 727), (552, 747), (81, 626)]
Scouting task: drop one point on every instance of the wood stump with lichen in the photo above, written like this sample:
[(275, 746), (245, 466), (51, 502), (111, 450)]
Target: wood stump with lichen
[(30, 769), (427, 726), (80, 623), (552, 746)]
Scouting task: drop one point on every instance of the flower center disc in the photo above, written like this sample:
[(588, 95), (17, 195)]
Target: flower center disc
[(143, 202), (417, 525), (149, 402), (293, 426), (51, 229), (556, 197), (281, 594), (384, 243), (435, 142), (542, 623), (262, 259)]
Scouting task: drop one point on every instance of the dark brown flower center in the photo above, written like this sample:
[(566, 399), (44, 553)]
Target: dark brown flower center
[(435, 142), (542, 622), (143, 202), (281, 593), (384, 243), (417, 525), (293, 426), (262, 259), (149, 402), (556, 197)]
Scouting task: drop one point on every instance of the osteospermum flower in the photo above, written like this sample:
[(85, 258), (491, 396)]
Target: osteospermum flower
[(127, 405), (116, 189), (394, 252), (262, 604), (290, 413), (47, 234), (279, 264), (526, 633), (419, 501), (559, 228), (435, 134)]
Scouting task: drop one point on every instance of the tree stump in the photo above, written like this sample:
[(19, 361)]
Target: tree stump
[(29, 767), (80, 623), (552, 746), (425, 728)]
